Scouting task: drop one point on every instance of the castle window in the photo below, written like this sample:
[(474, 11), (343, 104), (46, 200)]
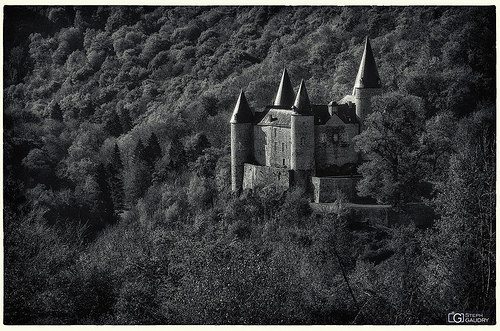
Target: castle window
[(302, 141), (275, 146), (282, 147), (284, 162), (275, 132), (335, 137), (322, 137)]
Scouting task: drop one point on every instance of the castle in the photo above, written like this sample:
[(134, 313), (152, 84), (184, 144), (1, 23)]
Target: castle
[(296, 143)]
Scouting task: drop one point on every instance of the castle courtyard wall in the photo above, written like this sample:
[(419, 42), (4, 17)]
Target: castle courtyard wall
[(260, 176), (325, 189), (334, 145)]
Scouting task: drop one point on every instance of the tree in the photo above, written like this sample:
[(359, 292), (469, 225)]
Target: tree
[(113, 124), (210, 104), (153, 150), (205, 165), (460, 271), (115, 179), (176, 153), (126, 121), (195, 145), (36, 257), (438, 141), (139, 152), (200, 193), (391, 146), (104, 201), (138, 177), (116, 159), (55, 111)]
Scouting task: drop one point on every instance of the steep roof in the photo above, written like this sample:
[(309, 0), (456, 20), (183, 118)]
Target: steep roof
[(242, 112), (302, 104), (367, 74), (347, 113), (321, 114), (285, 95)]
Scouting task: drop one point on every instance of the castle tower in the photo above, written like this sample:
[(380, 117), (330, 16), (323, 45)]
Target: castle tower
[(285, 95), (302, 138), (241, 140), (367, 83)]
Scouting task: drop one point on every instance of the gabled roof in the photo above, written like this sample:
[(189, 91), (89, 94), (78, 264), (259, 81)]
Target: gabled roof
[(281, 116), (321, 114), (302, 104), (285, 95), (242, 112), (367, 74), (347, 113)]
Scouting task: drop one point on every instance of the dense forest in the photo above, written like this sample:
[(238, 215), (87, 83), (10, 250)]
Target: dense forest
[(117, 199)]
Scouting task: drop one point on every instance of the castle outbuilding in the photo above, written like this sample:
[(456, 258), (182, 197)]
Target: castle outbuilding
[(295, 143)]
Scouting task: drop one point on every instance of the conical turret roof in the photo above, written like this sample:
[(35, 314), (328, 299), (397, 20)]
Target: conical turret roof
[(367, 74), (242, 112), (302, 104), (285, 95)]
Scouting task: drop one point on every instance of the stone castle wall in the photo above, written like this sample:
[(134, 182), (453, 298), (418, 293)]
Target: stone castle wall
[(334, 145), (302, 142), (260, 176), (272, 146), (325, 189)]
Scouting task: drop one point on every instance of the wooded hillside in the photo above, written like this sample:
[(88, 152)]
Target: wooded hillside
[(117, 202)]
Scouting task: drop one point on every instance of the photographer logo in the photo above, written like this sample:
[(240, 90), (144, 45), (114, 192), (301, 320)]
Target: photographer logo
[(456, 317), (468, 318)]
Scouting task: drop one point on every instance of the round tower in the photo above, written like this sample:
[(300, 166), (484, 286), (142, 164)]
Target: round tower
[(367, 83), (302, 139), (241, 141)]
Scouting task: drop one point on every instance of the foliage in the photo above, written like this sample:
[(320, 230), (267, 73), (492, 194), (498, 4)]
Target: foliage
[(465, 233), (391, 144), (117, 201)]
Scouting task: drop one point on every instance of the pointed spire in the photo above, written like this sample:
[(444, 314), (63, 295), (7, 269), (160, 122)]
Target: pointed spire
[(302, 104), (285, 95), (367, 74), (242, 112)]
